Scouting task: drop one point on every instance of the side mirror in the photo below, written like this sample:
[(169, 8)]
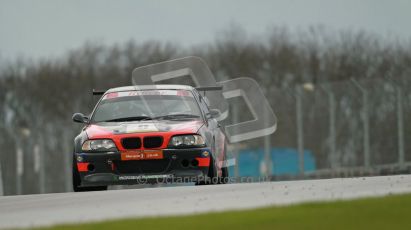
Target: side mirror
[(80, 118), (214, 113)]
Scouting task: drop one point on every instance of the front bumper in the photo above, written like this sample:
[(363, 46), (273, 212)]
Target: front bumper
[(178, 165)]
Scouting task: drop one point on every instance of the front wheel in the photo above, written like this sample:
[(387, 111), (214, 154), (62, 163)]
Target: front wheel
[(212, 177), (224, 176)]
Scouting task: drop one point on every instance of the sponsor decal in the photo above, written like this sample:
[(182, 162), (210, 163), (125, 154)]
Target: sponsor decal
[(141, 128), (205, 154), (111, 95), (142, 155), (183, 93)]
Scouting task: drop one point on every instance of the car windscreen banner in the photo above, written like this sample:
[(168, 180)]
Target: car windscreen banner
[(142, 93), (245, 112)]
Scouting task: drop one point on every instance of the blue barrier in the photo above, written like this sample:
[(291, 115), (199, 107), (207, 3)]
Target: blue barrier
[(284, 162)]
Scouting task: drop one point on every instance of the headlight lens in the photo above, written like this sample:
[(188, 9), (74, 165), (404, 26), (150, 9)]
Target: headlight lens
[(99, 145), (187, 140)]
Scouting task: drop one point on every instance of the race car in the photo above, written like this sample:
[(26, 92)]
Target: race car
[(149, 134)]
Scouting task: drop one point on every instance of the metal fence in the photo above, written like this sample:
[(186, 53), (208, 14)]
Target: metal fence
[(348, 128)]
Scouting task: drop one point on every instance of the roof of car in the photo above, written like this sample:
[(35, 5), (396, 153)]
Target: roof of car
[(149, 87)]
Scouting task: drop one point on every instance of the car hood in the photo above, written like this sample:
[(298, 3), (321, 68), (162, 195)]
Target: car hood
[(105, 129)]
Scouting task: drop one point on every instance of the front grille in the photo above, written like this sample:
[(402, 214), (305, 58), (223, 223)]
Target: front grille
[(153, 142), (142, 166), (131, 143)]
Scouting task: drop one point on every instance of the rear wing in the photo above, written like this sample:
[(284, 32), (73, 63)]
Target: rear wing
[(98, 92), (209, 88), (96, 95)]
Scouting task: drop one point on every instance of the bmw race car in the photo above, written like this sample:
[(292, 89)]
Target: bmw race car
[(149, 134)]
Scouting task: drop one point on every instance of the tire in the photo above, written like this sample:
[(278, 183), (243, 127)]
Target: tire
[(224, 177), (224, 170), (77, 182), (212, 177)]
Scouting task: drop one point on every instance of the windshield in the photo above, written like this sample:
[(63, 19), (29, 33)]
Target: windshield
[(147, 105)]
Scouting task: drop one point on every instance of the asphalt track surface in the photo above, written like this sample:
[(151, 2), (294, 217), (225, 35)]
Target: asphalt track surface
[(58, 208)]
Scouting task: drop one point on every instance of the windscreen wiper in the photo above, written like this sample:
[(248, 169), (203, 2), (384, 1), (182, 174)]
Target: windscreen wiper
[(175, 116), (137, 118)]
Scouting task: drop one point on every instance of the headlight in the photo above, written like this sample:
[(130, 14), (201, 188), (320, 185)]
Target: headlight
[(187, 140), (99, 145)]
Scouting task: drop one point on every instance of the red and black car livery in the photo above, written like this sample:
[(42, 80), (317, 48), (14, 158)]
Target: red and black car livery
[(150, 133)]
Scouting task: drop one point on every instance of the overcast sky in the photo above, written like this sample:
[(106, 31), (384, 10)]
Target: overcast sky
[(48, 28)]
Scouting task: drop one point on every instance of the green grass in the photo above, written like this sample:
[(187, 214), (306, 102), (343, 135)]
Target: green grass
[(391, 212)]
